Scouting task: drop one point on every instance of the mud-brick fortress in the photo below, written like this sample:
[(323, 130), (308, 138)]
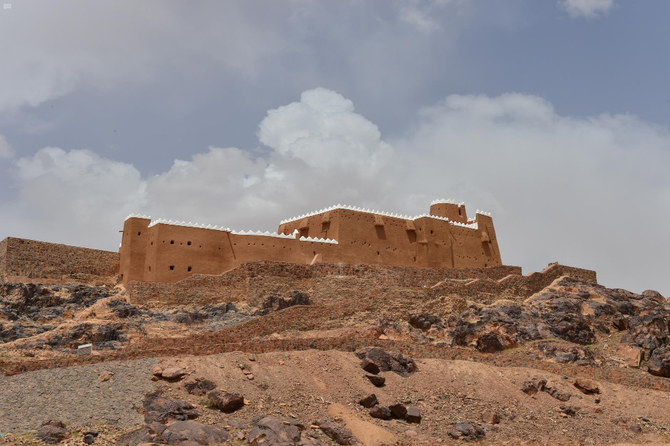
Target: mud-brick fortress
[(167, 251)]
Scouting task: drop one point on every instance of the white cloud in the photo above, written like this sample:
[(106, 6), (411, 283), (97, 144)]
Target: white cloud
[(49, 49), (586, 8), (590, 192), (5, 150)]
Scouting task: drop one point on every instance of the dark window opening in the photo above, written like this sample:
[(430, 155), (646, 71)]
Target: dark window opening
[(377, 252), (139, 233), (431, 232), (189, 269), (149, 268), (459, 211), (171, 267), (152, 243), (188, 243), (172, 242), (415, 259)]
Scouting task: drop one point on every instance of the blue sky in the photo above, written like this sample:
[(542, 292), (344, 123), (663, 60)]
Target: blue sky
[(551, 114)]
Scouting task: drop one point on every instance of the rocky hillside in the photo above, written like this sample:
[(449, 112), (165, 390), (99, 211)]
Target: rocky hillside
[(340, 359)]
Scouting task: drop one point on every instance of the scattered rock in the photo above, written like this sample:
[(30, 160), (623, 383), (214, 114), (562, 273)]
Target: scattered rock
[(388, 362), (370, 366), (398, 410), (466, 431), (181, 433), (273, 430), (225, 402), (491, 417), (659, 362), (337, 433), (413, 415), (276, 303), (628, 424), (173, 373), (376, 380), (158, 408), (381, 412), (424, 321), (90, 436), (587, 386), (53, 431), (568, 410), (199, 386), (105, 376), (533, 386), (369, 401)]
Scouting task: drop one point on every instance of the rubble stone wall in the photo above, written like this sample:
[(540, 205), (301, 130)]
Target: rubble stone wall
[(31, 259), (252, 281), (3, 258)]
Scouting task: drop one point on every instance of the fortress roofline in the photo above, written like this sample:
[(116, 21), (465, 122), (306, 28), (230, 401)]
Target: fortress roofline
[(162, 221), (472, 223)]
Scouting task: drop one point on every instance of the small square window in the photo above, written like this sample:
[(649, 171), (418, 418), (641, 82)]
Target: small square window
[(139, 233), (189, 269), (172, 242), (171, 267), (188, 243)]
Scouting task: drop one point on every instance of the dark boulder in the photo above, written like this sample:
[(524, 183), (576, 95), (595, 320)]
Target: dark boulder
[(466, 431), (376, 380), (158, 408), (398, 411), (224, 401), (273, 430), (53, 431), (179, 433), (381, 412), (369, 401), (395, 362), (199, 386), (337, 433), (659, 362), (413, 415), (424, 321)]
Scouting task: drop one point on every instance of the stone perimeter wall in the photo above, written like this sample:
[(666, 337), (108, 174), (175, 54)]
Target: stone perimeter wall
[(253, 281), (3, 258), (31, 259), (246, 282)]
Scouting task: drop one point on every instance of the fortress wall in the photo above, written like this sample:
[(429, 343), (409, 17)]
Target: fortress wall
[(172, 252), (133, 249), (169, 253), (251, 282), (33, 259), (176, 252)]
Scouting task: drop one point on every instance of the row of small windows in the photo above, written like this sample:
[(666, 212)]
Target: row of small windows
[(188, 268)]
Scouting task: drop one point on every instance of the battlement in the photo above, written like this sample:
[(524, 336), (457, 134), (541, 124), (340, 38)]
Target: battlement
[(160, 250)]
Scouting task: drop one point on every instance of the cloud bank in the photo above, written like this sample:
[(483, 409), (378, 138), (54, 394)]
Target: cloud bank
[(586, 8), (589, 192)]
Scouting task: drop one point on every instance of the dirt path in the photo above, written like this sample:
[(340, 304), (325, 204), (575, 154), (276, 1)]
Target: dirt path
[(75, 395)]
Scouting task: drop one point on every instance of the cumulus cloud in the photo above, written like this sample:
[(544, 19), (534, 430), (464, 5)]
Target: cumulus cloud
[(586, 8), (589, 192), (49, 49), (5, 149)]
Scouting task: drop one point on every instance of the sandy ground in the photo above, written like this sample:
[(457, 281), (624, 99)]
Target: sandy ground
[(317, 385)]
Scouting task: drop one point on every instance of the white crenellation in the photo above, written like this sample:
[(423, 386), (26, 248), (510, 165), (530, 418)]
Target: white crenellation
[(447, 201), (162, 221), (471, 223)]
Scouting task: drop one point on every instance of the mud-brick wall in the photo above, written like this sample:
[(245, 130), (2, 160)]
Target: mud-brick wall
[(33, 259)]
